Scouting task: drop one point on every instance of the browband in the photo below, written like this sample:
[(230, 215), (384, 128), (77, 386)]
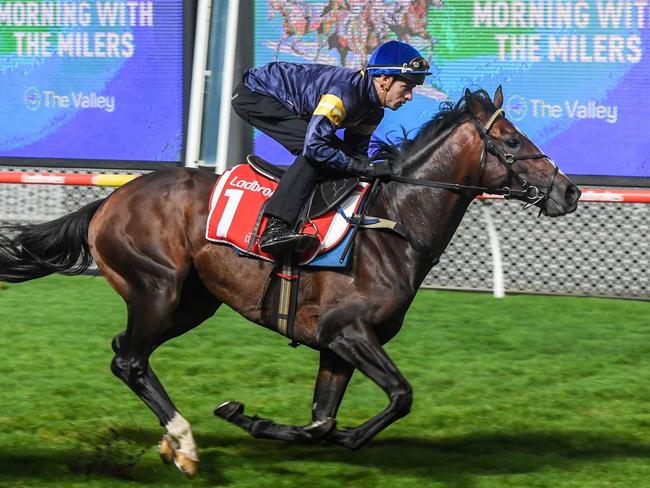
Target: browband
[(489, 123)]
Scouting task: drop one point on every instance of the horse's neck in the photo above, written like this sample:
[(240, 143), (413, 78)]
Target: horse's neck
[(432, 215)]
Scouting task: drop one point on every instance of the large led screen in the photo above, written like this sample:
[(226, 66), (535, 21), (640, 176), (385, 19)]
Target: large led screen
[(95, 80), (575, 74)]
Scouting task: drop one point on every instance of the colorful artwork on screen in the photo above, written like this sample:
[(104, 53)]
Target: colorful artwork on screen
[(575, 73)]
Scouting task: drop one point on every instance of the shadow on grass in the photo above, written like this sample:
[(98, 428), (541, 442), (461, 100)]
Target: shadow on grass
[(444, 459), (491, 452), (112, 455), (479, 453)]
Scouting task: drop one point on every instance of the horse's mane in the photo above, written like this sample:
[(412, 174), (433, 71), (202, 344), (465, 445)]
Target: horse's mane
[(450, 115)]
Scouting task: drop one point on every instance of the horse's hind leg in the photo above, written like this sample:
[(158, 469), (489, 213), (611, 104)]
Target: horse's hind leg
[(155, 315)]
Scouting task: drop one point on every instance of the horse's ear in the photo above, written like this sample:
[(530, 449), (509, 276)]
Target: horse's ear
[(498, 97), (468, 97), (472, 103)]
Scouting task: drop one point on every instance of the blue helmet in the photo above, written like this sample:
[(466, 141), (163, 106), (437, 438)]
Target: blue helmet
[(399, 59)]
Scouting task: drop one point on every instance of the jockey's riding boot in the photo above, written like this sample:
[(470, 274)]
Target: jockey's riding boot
[(279, 237)]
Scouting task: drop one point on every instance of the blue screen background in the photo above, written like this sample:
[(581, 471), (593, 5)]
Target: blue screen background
[(147, 121)]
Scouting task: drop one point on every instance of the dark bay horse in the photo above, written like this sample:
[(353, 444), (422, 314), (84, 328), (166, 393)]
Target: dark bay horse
[(148, 240)]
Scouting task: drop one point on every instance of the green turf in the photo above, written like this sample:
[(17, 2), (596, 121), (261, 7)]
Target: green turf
[(524, 391)]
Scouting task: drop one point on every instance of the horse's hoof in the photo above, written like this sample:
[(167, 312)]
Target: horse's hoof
[(188, 466), (320, 428), (346, 438), (166, 449), (228, 410)]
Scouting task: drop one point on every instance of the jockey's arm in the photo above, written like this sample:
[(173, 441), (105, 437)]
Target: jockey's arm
[(321, 142), (355, 143), (357, 138), (323, 147)]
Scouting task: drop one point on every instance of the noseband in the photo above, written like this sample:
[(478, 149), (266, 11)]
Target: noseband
[(529, 193)]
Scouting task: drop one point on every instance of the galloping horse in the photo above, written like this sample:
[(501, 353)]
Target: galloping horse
[(413, 21), (148, 240), (298, 19)]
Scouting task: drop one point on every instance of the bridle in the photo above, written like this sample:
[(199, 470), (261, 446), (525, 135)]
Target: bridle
[(530, 194), (509, 156)]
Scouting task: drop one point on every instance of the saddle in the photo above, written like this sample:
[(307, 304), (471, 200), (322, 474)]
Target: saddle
[(282, 293), (342, 200), (335, 211), (325, 196)]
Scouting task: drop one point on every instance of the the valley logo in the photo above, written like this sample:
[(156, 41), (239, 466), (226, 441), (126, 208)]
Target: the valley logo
[(32, 98), (516, 108), (49, 99)]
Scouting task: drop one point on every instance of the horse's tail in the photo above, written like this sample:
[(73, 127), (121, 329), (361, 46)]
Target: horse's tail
[(59, 246)]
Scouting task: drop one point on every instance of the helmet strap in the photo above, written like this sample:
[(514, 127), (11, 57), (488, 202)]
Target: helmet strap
[(384, 90)]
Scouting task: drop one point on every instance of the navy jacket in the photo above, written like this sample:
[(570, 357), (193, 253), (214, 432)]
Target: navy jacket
[(331, 98)]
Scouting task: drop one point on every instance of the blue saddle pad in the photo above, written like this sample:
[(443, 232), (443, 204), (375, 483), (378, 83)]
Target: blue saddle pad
[(332, 258)]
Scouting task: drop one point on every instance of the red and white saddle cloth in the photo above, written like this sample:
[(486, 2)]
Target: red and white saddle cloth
[(237, 199)]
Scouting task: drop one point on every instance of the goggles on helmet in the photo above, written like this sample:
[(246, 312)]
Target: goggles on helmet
[(415, 66), (413, 71)]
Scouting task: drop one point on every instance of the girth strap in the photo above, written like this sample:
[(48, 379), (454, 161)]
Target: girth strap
[(399, 229), (363, 222), (287, 300)]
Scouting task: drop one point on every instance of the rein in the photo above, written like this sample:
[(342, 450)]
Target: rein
[(530, 193)]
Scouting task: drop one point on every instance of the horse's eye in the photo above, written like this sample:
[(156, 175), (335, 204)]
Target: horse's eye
[(513, 143)]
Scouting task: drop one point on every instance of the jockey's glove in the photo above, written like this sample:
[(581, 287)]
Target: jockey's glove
[(368, 169)]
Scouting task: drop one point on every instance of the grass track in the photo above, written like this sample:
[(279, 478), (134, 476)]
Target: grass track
[(525, 391)]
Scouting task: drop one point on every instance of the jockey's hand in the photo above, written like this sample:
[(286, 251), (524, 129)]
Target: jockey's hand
[(382, 169), (367, 169)]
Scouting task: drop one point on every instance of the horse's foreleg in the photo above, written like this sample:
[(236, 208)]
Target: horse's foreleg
[(360, 347), (333, 377), (343, 56), (294, 46), (262, 428), (432, 43), (278, 46), (319, 46)]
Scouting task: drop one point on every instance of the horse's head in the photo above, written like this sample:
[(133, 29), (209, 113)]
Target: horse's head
[(511, 162)]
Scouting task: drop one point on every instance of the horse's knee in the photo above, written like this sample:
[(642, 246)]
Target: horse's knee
[(402, 400)]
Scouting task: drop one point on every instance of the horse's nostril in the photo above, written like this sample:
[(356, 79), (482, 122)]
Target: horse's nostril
[(572, 194)]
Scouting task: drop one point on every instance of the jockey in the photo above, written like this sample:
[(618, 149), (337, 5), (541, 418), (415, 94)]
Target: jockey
[(302, 106)]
